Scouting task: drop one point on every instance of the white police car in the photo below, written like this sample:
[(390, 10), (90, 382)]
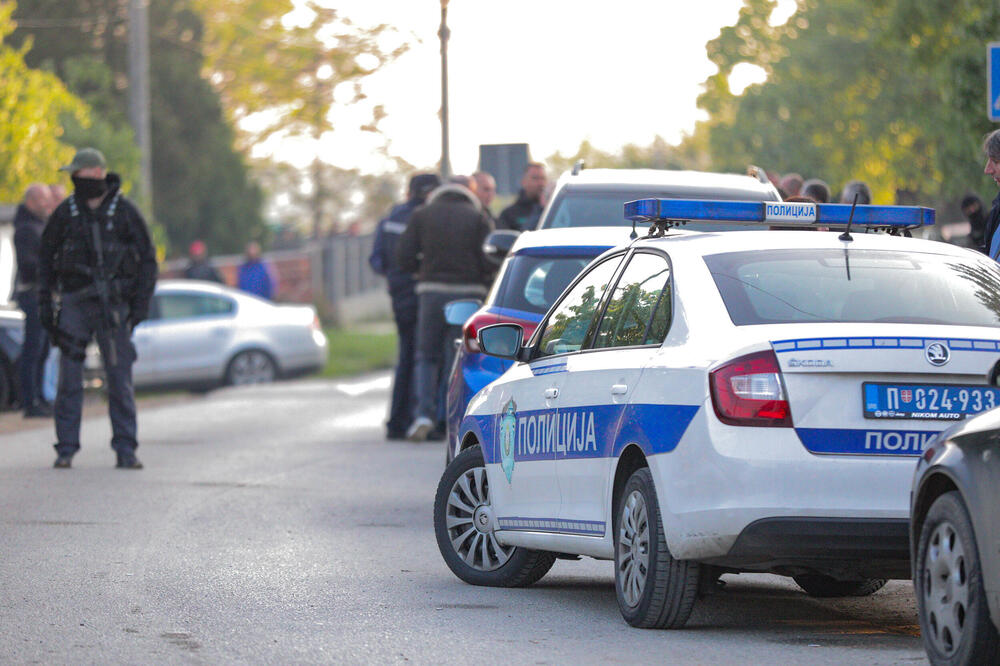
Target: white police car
[(702, 403)]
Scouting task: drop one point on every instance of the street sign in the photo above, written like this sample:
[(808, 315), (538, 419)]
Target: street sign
[(993, 80)]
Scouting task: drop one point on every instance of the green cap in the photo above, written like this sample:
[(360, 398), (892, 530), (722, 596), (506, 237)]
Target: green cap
[(84, 159)]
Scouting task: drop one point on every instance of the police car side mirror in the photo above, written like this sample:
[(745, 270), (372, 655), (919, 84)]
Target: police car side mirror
[(458, 312), (498, 244), (501, 340)]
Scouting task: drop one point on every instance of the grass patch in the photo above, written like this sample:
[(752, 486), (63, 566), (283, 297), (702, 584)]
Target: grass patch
[(354, 351)]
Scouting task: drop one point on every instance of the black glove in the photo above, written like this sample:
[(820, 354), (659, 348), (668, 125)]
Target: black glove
[(47, 315)]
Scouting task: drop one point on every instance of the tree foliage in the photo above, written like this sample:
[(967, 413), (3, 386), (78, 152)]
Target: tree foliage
[(691, 153), (888, 91), (290, 75), (201, 185), (32, 145)]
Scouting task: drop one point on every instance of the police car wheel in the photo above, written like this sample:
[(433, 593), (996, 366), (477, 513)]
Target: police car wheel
[(464, 525), (818, 585), (250, 367), (951, 601), (654, 590)]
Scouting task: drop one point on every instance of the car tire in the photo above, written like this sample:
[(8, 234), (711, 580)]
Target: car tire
[(252, 366), (654, 590), (472, 552), (951, 601), (818, 585)]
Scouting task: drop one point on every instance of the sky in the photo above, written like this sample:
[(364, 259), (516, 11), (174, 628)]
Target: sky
[(549, 73)]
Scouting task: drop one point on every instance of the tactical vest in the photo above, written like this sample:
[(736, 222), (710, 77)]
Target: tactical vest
[(76, 260)]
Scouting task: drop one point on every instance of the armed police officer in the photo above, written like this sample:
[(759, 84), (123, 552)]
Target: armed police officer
[(97, 270)]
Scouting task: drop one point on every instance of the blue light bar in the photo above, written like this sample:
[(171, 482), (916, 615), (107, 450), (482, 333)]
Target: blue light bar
[(781, 213)]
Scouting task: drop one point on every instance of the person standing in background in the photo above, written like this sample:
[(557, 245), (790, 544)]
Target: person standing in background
[(991, 146), (29, 222), (523, 214), (404, 300), (255, 275), (199, 267), (486, 190)]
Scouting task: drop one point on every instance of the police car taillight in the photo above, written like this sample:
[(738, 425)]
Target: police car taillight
[(748, 391), (471, 328)]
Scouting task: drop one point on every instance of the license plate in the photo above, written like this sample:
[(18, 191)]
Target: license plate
[(926, 402)]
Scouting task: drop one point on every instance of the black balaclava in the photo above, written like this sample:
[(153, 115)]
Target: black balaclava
[(90, 188)]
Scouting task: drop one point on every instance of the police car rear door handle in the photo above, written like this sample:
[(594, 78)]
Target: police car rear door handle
[(619, 389), (551, 393)]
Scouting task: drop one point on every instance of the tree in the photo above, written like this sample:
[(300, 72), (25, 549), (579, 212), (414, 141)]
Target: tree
[(888, 91), (201, 184), (32, 145)]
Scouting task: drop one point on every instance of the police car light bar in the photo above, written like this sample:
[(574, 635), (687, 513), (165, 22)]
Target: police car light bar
[(784, 213)]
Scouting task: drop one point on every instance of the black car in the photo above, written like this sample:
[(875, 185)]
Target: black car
[(955, 540)]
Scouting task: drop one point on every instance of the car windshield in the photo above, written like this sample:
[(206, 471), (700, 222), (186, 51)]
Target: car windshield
[(574, 208), (532, 283), (793, 286)]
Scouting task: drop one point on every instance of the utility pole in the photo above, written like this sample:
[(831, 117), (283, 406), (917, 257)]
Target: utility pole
[(138, 89), (444, 33)]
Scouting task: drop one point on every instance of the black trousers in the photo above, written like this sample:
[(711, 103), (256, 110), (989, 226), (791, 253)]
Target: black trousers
[(82, 319)]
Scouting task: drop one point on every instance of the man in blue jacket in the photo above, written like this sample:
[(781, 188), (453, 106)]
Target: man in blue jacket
[(404, 299), (255, 275)]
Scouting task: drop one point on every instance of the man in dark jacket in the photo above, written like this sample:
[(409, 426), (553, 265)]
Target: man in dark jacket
[(443, 245), (199, 267), (29, 221), (97, 262), (404, 300), (523, 214), (991, 146)]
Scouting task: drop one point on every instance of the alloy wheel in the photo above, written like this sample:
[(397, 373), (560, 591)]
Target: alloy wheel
[(633, 548), (471, 523)]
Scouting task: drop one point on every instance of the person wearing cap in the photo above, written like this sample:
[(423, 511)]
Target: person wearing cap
[(97, 271), (404, 300), (199, 267), (29, 221)]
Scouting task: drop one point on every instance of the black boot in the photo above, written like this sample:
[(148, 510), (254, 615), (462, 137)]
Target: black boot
[(127, 460)]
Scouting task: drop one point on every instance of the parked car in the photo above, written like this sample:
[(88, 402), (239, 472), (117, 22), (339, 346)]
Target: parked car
[(702, 403), (954, 531), (201, 334), (596, 197), (11, 338), (538, 267)]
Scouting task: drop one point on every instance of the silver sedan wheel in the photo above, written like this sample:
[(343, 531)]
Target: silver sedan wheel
[(633, 548), (470, 522), (251, 367), (946, 588)]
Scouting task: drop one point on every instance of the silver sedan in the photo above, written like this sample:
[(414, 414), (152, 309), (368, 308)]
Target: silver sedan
[(203, 334)]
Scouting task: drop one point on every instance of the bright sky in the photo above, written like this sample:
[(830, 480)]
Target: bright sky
[(549, 73)]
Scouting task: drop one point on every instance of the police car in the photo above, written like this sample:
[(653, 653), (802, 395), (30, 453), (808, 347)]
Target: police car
[(702, 403)]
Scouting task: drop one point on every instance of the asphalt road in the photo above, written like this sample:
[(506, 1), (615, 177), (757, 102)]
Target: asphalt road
[(274, 524)]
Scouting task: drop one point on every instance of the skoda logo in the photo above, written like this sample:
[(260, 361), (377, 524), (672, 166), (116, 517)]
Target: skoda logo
[(937, 353)]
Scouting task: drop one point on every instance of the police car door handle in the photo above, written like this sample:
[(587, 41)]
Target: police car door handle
[(551, 393), (619, 389)]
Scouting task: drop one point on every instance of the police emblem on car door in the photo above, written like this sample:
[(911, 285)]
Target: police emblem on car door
[(508, 435)]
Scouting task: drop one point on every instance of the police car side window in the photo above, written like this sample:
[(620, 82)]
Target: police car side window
[(566, 330), (638, 311)]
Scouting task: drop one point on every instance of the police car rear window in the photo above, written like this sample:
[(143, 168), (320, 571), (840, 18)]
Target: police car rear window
[(798, 286), (533, 283)]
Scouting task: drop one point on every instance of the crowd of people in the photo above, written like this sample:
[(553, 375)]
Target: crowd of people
[(430, 248)]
